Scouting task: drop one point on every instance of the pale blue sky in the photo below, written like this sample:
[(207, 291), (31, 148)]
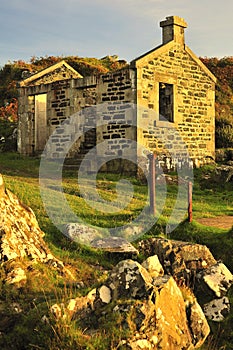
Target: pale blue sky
[(96, 28)]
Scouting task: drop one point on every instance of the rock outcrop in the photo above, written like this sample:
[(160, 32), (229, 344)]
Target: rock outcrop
[(21, 239), (156, 312), (180, 259), (163, 303), (194, 266)]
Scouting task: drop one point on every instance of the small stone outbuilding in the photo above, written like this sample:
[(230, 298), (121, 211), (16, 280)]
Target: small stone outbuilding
[(162, 100)]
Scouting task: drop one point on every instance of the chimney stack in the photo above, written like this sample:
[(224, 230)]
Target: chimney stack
[(173, 29)]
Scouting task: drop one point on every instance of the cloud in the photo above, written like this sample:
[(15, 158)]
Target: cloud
[(100, 27)]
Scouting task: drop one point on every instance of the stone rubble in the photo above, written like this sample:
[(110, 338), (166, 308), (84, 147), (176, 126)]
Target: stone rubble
[(157, 313), (159, 302), (216, 280), (88, 235), (194, 266)]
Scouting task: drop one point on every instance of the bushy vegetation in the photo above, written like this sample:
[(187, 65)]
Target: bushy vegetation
[(223, 70), (14, 72)]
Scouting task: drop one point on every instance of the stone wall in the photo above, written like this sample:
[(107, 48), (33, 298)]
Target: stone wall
[(104, 114), (59, 105), (193, 103), (82, 95), (116, 133), (95, 104)]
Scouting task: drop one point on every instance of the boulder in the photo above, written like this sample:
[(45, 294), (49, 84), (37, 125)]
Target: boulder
[(128, 277), (192, 265), (214, 281), (153, 266), (81, 233), (115, 244), (197, 322), (21, 240), (172, 326)]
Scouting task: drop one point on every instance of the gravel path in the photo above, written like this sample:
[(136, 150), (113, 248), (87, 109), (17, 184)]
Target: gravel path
[(225, 222)]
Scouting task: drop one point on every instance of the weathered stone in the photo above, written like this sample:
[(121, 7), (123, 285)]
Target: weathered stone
[(114, 245), (81, 233), (21, 239), (165, 321), (16, 276), (199, 328), (105, 294), (156, 312), (171, 322), (153, 266), (178, 258), (214, 281), (129, 278), (217, 309)]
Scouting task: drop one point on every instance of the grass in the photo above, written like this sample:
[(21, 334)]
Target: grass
[(20, 174)]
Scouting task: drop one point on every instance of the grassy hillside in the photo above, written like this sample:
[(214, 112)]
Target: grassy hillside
[(26, 330)]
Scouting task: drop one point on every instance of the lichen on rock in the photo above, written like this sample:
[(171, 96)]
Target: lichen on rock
[(21, 239)]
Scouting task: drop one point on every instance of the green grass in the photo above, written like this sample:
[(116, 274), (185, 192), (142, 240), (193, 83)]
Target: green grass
[(20, 174)]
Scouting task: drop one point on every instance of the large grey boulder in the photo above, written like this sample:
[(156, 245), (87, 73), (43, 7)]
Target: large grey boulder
[(81, 233)]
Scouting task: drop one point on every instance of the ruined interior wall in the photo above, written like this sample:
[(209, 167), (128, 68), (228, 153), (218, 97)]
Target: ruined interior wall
[(25, 132), (59, 106), (194, 104), (61, 72), (116, 118)]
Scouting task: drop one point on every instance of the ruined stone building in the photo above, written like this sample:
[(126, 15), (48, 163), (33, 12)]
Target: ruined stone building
[(161, 101)]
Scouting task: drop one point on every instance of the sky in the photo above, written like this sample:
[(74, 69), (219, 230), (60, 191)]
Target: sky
[(97, 28)]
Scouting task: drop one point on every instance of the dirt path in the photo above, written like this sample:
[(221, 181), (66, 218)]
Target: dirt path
[(225, 222)]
